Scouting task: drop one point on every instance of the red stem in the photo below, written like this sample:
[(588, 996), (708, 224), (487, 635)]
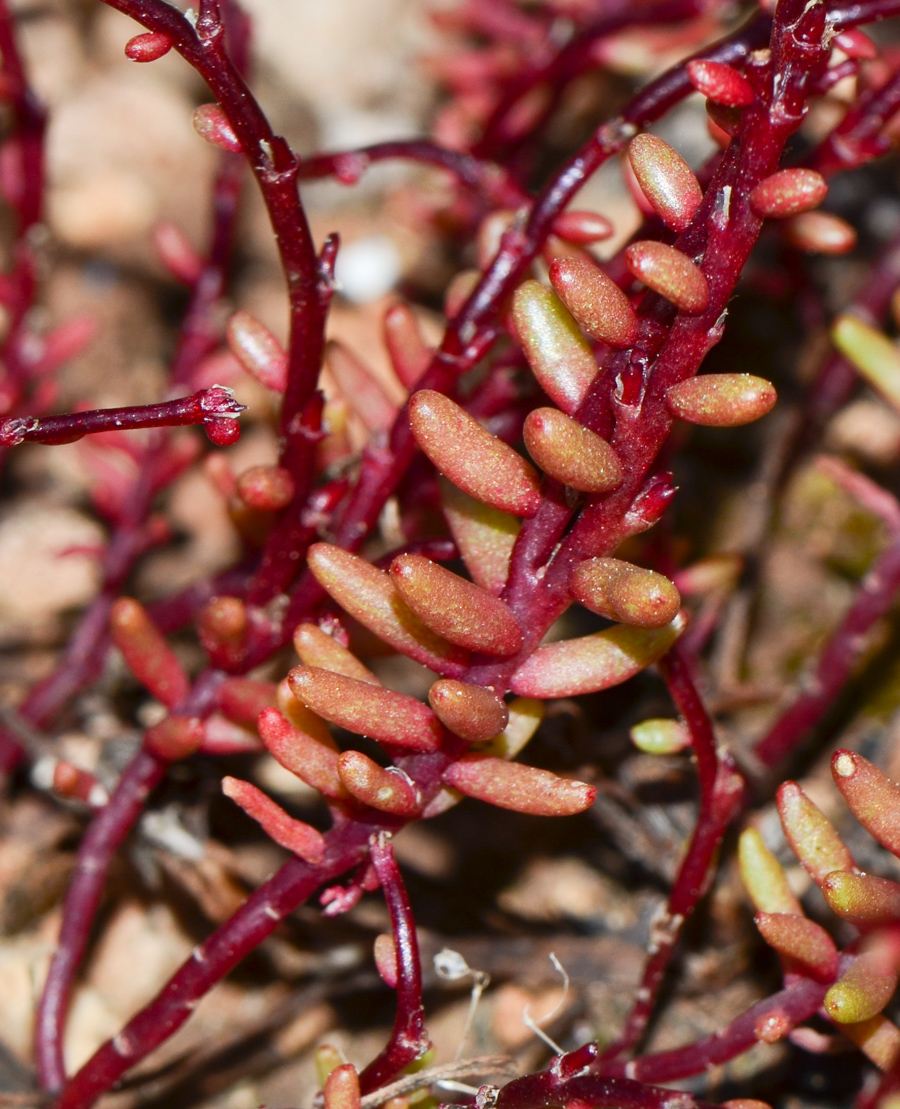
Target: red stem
[(256, 919), (198, 408), (100, 843), (409, 1039), (721, 789)]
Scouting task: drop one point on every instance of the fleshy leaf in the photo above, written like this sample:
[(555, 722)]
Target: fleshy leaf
[(484, 535), (370, 596), (479, 463), (386, 716), (592, 662), (454, 608), (510, 785)]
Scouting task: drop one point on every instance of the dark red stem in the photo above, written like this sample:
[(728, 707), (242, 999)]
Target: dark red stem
[(199, 408), (211, 961), (409, 1039), (100, 843), (721, 788)]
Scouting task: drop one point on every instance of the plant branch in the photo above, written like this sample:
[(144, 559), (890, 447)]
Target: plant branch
[(409, 1039)]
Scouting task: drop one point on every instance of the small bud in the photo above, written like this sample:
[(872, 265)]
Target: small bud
[(342, 1088), (388, 717), (386, 959), (670, 273), (582, 228), (359, 387), (863, 899), (177, 253), (873, 354), (666, 180), (470, 711), (74, 784), (721, 83), (592, 662), (148, 656), (571, 453), (812, 837), (620, 591), (863, 989), (484, 535), (660, 737), (510, 785), (557, 352), (266, 488), (802, 940), (596, 302), (148, 47), (788, 193), (388, 790), (174, 738), (820, 233), (650, 503), (297, 751), (222, 626), (211, 123), (479, 463), (317, 648), (878, 1039), (326, 1059), (369, 595), (258, 351), (302, 839), (871, 796), (410, 355), (764, 877), (721, 400), (456, 609), (243, 699)]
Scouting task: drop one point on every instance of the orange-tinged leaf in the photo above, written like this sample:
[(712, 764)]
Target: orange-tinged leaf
[(511, 785), (870, 795), (479, 463), (455, 608), (666, 180), (596, 302), (294, 835), (863, 899), (313, 762), (621, 591), (148, 656), (470, 711), (802, 940), (389, 717), (388, 790), (370, 596), (317, 648), (721, 400), (572, 454)]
